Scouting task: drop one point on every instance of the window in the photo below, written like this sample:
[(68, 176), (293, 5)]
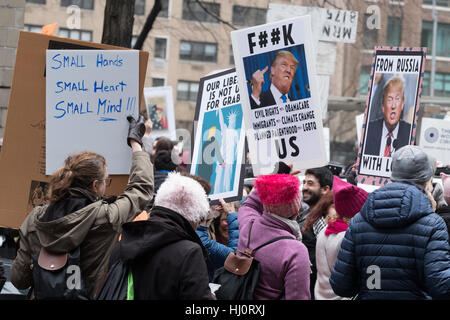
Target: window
[(442, 42), (164, 13), (157, 82), (394, 32), (364, 77), (32, 28), (198, 51), (36, 1), (200, 11), (370, 36), (161, 48), (75, 34), (441, 3), (83, 4), (139, 7), (441, 84), (247, 16), (187, 90)]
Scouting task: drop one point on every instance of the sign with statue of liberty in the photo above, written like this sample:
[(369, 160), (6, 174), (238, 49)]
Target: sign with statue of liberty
[(219, 136)]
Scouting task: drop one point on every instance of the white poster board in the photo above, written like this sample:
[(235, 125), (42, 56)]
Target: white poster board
[(89, 94), (160, 109), (276, 131), (435, 139), (219, 138)]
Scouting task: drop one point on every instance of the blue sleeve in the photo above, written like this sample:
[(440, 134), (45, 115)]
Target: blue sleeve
[(344, 277), (217, 252), (437, 260), (233, 230)]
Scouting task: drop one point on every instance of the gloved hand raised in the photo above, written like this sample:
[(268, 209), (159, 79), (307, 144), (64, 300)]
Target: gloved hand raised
[(136, 129)]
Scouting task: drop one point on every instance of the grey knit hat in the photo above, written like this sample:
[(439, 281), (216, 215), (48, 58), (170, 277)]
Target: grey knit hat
[(410, 163)]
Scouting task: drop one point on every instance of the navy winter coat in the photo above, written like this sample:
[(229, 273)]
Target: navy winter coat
[(398, 240)]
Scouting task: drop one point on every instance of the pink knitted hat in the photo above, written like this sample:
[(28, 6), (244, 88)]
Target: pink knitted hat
[(348, 198), (446, 186), (279, 194)]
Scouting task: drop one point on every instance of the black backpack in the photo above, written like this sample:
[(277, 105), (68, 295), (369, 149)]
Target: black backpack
[(58, 276), (118, 283), (240, 273)]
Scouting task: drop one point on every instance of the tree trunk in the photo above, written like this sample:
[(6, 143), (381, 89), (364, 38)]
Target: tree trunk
[(118, 22), (148, 25)]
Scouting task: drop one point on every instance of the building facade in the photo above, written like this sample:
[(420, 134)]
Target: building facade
[(191, 39)]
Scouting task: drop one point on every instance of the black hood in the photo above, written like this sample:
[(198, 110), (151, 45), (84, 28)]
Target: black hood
[(164, 227)]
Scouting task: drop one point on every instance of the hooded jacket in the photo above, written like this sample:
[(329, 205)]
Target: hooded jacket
[(167, 258), (285, 265), (395, 248), (83, 221)]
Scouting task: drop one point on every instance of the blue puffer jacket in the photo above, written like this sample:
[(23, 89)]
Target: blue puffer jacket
[(217, 252), (395, 248)]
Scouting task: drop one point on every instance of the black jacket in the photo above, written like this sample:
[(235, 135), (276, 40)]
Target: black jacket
[(167, 258)]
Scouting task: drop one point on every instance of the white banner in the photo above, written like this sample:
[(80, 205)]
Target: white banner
[(89, 94), (281, 103), (435, 139)]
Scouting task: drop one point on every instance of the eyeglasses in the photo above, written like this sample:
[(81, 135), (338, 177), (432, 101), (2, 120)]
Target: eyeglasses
[(107, 181)]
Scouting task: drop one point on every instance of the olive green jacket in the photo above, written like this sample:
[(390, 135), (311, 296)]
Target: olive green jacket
[(94, 228)]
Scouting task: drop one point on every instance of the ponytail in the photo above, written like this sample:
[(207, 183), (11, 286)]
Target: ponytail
[(79, 170)]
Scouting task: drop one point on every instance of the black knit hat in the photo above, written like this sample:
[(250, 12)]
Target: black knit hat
[(163, 161)]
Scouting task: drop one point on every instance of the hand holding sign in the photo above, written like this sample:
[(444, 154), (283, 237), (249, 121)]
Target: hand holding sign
[(258, 81)]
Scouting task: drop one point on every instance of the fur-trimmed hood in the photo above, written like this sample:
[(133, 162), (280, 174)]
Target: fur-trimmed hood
[(184, 196)]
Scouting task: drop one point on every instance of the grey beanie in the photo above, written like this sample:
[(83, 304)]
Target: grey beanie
[(410, 163)]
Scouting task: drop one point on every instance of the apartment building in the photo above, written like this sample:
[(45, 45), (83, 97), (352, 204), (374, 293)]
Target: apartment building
[(192, 38)]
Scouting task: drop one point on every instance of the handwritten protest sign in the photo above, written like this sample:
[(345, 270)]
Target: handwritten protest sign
[(89, 94), (392, 110), (219, 136), (435, 139), (276, 72)]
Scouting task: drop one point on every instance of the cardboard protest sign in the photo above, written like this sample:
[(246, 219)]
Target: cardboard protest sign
[(276, 72), (435, 139), (219, 136), (23, 180), (392, 110), (161, 110), (90, 93)]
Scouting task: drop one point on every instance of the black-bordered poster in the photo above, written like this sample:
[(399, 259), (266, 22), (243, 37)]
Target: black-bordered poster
[(276, 71), (219, 136), (392, 109)]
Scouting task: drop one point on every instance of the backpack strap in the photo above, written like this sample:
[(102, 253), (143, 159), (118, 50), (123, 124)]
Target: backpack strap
[(252, 252)]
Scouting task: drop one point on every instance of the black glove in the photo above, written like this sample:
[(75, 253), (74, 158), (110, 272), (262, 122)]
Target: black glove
[(136, 129)]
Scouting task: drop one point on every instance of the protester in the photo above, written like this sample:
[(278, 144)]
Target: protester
[(346, 201), (219, 235), (436, 188), (444, 211), (318, 182), (164, 163), (166, 256), (285, 265), (396, 247), (161, 143), (79, 216)]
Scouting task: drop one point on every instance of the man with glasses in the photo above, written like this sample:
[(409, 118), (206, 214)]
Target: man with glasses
[(282, 72), (390, 133)]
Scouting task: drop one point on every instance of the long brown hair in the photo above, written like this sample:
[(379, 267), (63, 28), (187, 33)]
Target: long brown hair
[(79, 170), (320, 210)]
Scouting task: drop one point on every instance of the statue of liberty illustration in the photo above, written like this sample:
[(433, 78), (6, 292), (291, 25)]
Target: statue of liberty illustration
[(228, 147)]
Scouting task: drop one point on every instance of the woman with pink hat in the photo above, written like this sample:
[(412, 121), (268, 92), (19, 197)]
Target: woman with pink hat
[(348, 201), (268, 213)]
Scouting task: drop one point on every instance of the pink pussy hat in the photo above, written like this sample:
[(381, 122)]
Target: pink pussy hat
[(348, 198), (279, 194)]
